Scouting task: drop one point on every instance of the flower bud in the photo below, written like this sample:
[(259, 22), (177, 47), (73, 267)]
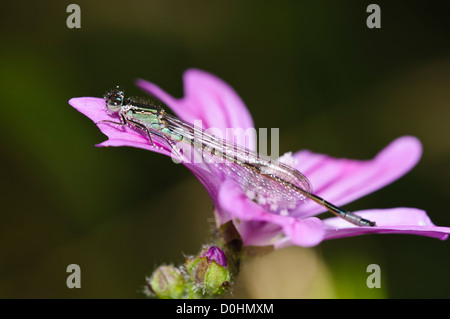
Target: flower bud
[(209, 271), (214, 253), (166, 282)]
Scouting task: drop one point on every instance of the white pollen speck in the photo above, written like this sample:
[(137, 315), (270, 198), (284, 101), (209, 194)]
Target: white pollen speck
[(250, 194), (262, 200), (273, 207), (284, 212)]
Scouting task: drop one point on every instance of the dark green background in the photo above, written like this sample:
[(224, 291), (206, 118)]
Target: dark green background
[(311, 68)]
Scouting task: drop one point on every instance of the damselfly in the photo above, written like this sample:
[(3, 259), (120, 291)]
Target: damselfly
[(270, 183)]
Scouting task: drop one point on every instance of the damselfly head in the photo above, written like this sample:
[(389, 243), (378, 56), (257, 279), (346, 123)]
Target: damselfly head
[(114, 100)]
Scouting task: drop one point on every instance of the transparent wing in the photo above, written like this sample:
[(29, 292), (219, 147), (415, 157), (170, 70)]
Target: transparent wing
[(266, 181)]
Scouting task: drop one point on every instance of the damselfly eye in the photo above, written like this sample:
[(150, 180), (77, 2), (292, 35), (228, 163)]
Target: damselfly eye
[(114, 100)]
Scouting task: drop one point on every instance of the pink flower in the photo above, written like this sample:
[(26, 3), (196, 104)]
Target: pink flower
[(339, 181)]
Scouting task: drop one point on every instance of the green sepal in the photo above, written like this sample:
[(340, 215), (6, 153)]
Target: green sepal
[(217, 279)]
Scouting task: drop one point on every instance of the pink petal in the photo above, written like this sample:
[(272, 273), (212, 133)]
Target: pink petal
[(126, 142), (303, 232), (400, 220), (258, 233), (341, 181), (306, 232), (94, 108), (233, 200), (206, 98)]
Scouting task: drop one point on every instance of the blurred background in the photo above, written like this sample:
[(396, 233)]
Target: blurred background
[(339, 88)]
